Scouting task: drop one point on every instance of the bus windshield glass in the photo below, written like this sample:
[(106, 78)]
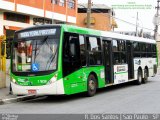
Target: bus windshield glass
[(35, 54)]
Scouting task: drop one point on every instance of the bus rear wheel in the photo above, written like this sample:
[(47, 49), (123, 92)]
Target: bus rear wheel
[(91, 85), (145, 79)]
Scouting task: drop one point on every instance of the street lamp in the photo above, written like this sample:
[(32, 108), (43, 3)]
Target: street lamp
[(156, 22)]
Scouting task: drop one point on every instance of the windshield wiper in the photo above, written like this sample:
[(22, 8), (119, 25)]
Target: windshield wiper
[(35, 51), (49, 46), (52, 58), (36, 54)]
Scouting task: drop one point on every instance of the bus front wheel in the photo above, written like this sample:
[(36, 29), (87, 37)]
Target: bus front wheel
[(91, 85)]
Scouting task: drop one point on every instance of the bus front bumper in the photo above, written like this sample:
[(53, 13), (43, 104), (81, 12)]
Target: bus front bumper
[(56, 88)]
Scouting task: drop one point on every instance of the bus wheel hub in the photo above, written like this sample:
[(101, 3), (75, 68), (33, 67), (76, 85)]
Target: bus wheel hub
[(91, 84)]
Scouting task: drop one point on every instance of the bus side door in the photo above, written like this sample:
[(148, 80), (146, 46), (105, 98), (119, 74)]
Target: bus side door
[(108, 62), (72, 62)]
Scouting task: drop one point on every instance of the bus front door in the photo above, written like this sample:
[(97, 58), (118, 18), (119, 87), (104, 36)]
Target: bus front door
[(107, 50)]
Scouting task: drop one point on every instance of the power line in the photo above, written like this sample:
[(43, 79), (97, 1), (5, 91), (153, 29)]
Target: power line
[(117, 18), (127, 21)]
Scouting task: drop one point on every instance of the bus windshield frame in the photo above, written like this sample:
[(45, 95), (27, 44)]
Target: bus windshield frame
[(29, 50)]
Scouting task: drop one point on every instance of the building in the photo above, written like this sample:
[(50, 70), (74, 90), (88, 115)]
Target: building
[(18, 14), (101, 17)]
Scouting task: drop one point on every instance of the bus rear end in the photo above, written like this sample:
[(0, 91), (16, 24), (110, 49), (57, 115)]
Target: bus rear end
[(34, 62)]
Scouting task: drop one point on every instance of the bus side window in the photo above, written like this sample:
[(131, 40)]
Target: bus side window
[(94, 50), (154, 51), (119, 51), (115, 46), (82, 50)]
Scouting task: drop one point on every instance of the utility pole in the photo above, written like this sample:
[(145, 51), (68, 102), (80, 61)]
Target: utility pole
[(53, 2), (89, 14), (157, 15), (137, 25)]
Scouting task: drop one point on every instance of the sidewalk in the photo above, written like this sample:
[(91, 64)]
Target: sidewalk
[(4, 93)]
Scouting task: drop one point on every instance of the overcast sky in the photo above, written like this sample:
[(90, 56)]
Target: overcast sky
[(145, 15)]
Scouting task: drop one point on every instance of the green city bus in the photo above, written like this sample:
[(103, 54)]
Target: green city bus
[(65, 59)]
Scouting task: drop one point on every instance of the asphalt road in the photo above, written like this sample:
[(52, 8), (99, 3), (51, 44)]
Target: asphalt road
[(126, 98)]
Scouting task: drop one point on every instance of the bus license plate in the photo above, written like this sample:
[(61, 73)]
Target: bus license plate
[(32, 91)]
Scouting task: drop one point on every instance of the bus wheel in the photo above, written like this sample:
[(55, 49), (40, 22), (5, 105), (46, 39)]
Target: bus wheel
[(139, 78), (91, 85), (145, 79)]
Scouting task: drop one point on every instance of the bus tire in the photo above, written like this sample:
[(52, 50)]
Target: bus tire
[(91, 85), (145, 79), (139, 77)]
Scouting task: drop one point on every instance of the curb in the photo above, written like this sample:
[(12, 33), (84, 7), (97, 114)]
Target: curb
[(17, 99)]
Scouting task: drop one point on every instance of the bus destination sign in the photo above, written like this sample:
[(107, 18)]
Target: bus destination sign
[(36, 33)]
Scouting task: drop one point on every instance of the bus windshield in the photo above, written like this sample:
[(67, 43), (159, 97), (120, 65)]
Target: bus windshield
[(35, 54)]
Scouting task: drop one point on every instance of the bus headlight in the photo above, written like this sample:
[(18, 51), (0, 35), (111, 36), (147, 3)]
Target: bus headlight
[(52, 80), (14, 81)]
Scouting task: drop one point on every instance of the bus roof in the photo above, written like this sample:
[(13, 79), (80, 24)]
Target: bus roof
[(107, 34), (80, 30)]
